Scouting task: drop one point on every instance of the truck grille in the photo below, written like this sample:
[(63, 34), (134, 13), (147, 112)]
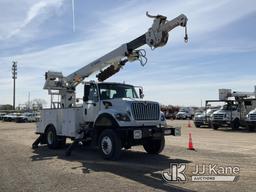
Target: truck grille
[(218, 116), (252, 117), (145, 111)]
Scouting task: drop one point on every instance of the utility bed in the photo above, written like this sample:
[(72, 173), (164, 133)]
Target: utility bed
[(66, 121)]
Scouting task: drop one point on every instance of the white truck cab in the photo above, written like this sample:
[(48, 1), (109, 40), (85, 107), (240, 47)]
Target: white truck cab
[(225, 116), (108, 109)]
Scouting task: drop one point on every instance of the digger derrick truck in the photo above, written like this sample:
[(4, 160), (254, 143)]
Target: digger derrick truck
[(113, 115), (235, 112)]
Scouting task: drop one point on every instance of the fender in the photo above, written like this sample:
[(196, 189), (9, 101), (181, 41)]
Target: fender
[(105, 120)]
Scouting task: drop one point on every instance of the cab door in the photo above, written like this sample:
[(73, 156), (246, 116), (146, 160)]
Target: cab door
[(91, 102)]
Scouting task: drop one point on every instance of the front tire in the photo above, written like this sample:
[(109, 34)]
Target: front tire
[(110, 144), (154, 146)]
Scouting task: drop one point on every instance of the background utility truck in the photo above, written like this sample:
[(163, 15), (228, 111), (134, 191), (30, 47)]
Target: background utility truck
[(251, 120), (234, 113), (185, 113), (113, 115), (204, 118)]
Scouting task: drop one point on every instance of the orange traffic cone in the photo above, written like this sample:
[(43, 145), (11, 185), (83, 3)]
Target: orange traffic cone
[(190, 143), (189, 124)]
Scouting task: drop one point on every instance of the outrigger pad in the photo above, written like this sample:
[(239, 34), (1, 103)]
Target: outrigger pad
[(71, 147), (37, 141)]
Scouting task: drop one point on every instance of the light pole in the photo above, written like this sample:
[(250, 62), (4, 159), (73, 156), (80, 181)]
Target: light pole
[(14, 77)]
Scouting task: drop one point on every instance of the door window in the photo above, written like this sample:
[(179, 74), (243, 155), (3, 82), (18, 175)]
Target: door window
[(93, 95)]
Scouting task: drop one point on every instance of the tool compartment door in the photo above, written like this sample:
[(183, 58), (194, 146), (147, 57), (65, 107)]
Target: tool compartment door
[(72, 117)]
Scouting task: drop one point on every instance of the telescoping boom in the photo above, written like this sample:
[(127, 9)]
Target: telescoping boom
[(112, 62)]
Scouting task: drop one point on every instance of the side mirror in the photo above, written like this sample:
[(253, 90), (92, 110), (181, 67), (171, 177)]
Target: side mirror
[(86, 92), (141, 93)]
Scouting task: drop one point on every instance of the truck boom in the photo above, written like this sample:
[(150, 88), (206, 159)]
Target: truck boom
[(112, 62)]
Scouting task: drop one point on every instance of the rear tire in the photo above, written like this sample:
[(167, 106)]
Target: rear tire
[(52, 140), (154, 146), (110, 144)]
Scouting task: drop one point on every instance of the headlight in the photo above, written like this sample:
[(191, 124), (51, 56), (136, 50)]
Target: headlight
[(122, 117)]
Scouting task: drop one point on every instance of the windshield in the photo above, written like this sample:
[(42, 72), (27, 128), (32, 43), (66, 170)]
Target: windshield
[(113, 91), (229, 107), (210, 111)]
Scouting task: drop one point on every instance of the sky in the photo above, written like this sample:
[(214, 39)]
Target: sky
[(221, 51)]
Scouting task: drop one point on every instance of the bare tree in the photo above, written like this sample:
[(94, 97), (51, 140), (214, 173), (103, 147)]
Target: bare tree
[(38, 103)]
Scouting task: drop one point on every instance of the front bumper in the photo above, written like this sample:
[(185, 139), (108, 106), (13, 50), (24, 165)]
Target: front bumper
[(200, 121), (146, 132), (221, 122)]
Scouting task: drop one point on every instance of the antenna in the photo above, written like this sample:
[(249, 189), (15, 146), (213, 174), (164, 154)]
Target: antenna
[(73, 15)]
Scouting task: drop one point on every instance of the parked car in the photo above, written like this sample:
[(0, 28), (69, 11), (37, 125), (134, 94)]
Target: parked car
[(26, 117), (10, 117), (2, 115)]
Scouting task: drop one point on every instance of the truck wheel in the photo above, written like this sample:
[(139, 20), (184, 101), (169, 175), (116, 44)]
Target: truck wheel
[(215, 127), (51, 138), (235, 124), (110, 144), (154, 146)]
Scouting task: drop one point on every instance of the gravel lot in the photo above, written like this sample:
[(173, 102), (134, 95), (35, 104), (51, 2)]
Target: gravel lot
[(25, 169)]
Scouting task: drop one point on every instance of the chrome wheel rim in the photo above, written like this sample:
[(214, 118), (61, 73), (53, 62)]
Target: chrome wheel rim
[(50, 137), (106, 145)]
